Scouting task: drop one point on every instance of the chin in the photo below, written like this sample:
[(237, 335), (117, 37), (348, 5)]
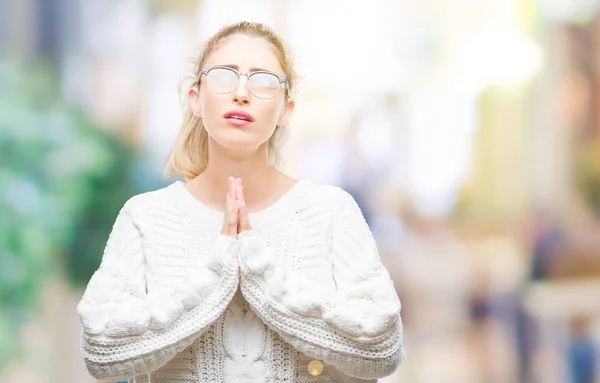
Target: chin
[(241, 140), (240, 147)]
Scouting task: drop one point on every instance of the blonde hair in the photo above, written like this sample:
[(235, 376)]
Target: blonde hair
[(189, 156)]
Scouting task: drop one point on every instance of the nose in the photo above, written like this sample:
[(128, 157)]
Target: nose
[(241, 93)]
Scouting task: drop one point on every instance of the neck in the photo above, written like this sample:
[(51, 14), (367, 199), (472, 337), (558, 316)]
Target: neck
[(253, 168), (250, 172)]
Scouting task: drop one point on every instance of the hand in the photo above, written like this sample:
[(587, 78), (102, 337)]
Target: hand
[(231, 220), (244, 222)]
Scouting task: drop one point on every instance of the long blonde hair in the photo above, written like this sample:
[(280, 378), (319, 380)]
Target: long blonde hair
[(189, 156)]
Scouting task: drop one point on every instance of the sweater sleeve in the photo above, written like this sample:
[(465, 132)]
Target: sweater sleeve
[(356, 326), (129, 331)]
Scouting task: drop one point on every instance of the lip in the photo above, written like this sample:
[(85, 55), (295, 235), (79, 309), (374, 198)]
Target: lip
[(237, 122)]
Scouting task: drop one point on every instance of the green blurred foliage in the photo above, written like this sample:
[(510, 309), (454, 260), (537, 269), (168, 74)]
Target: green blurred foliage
[(63, 181)]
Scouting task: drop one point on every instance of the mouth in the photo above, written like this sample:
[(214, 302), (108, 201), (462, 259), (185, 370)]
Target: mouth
[(238, 117)]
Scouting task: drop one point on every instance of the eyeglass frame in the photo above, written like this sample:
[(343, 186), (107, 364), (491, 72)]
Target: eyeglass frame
[(204, 71)]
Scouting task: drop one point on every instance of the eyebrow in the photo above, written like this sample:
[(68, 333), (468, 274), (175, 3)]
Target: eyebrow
[(236, 67)]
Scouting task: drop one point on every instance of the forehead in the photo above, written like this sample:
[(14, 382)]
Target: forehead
[(246, 52)]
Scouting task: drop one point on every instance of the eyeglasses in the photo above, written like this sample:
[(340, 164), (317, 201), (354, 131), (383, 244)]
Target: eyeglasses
[(223, 80)]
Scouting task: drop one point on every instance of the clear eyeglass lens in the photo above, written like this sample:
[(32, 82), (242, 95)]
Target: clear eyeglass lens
[(264, 85), (224, 81), (221, 80)]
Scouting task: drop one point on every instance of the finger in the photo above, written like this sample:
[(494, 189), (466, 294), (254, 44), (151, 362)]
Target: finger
[(234, 203), (244, 223), (230, 197), (234, 188), (233, 197), (240, 194), (226, 230), (231, 212)]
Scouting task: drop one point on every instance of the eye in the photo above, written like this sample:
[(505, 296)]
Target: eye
[(264, 80), (221, 80), (264, 85)]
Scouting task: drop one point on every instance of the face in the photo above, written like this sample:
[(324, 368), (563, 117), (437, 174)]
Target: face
[(246, 54)]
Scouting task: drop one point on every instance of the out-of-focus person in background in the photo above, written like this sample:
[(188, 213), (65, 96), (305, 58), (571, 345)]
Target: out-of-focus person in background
[(467, 132), (241, 273)]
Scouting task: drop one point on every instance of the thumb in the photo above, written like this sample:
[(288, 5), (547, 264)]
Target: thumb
[(243, 212)]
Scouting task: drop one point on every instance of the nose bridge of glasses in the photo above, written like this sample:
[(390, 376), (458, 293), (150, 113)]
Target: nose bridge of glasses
[(243, 84)]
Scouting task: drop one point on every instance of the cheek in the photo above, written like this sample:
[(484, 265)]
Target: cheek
[(273, 114), (274, 110), (209, 103)]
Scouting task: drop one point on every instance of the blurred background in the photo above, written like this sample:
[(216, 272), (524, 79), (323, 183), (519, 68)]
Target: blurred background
[(467, 130)]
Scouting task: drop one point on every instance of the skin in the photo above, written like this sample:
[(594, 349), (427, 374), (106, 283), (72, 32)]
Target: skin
[(238, 166)]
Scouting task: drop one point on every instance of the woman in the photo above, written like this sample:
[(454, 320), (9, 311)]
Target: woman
[(241, 273)]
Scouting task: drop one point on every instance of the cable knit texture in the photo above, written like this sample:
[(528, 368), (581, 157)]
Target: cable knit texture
[(175, 301)]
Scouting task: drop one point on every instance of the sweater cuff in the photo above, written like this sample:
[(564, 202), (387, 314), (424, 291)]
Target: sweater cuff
[(265, 271), (123, 314), (367, 307), (253, 254)]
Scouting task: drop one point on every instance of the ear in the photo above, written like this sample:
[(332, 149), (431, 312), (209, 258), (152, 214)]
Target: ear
[(287, 113), (194, 101)]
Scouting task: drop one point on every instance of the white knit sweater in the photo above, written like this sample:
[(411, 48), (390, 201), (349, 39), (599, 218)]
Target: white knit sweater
[(176, 301)]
